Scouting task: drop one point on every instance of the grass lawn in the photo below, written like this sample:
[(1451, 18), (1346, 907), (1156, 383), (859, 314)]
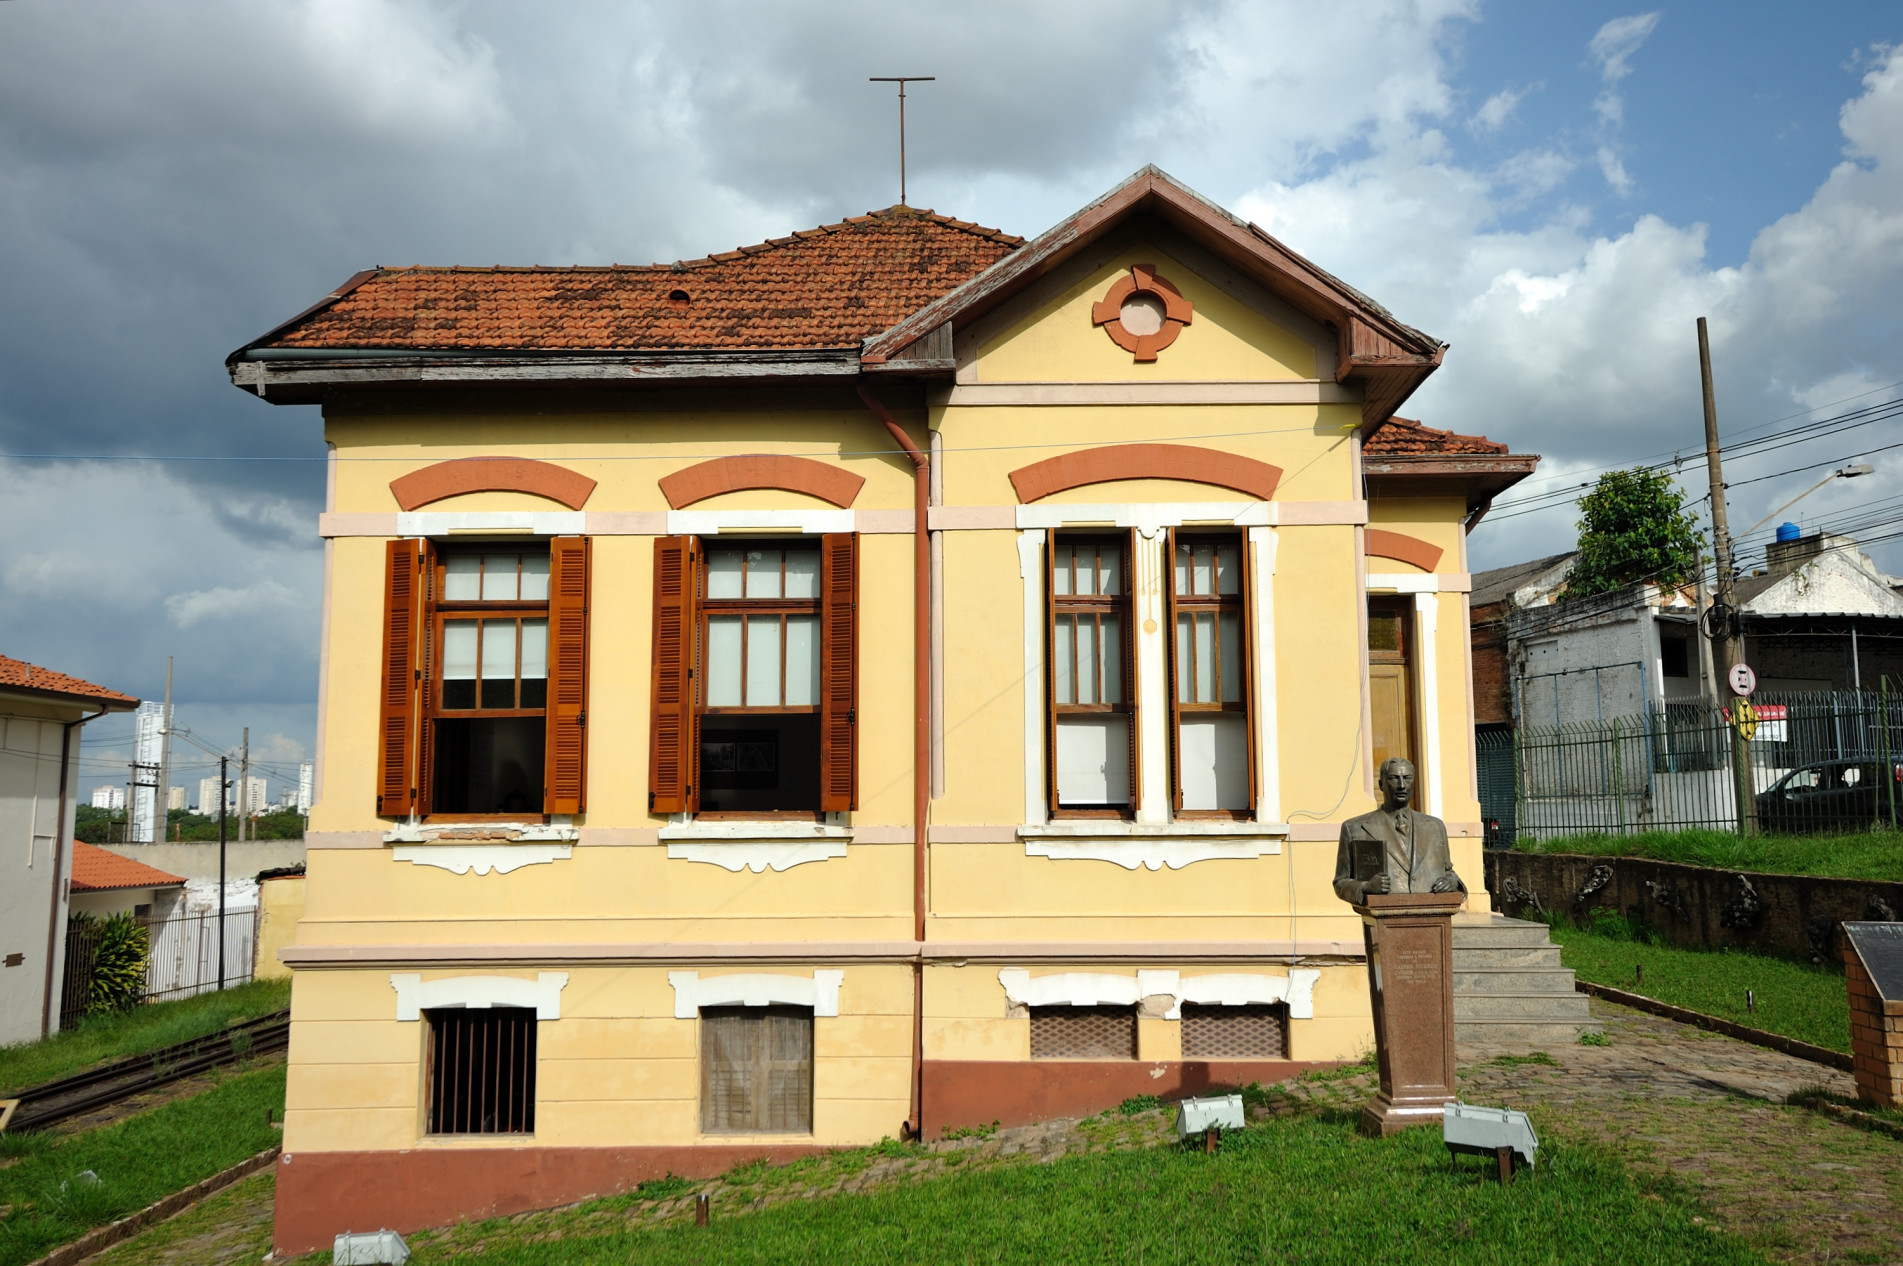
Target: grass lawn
[(1794, 999), (1294, 1190), (1866, 855), (147, 1028), (45, 1203)]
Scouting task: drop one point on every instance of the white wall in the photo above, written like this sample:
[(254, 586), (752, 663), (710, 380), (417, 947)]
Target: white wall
[(30, 825)]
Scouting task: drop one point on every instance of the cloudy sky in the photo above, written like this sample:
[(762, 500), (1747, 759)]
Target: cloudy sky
[(1558, 189)]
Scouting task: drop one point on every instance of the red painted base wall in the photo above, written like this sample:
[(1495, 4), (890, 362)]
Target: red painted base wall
[(961, 1093)]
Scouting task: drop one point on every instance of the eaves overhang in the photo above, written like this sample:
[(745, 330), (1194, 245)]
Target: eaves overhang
[(1479, 476)]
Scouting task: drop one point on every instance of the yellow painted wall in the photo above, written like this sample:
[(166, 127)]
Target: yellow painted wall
[(280, 906)]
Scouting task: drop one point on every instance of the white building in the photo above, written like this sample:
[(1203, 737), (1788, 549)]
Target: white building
[(208, 797), (109, 797), (257, 799), (174, 798), (304, 781), (148, 745)]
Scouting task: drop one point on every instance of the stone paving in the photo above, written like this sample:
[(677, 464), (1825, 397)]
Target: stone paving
[(1702, 1108)]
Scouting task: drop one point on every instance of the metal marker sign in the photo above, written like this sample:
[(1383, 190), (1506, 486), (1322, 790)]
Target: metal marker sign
[(1743, 680), (1744, 718)]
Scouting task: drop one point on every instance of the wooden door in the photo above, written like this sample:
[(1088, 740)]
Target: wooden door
[(1390, 685)]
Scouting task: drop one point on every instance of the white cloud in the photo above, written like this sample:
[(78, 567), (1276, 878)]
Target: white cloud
[(223, 603), (1497, 109), (1614, 171), (1617, 40)]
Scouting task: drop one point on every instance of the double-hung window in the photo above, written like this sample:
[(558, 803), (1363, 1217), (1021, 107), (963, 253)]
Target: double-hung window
[(754, 676), (1212, 739), (1092, 678)]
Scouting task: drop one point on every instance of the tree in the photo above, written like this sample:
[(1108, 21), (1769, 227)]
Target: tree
[(1633, 527)]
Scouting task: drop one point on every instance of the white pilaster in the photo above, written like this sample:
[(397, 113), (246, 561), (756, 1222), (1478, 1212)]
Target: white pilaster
[(1268, 752), (1031, 568), (1147, 574)]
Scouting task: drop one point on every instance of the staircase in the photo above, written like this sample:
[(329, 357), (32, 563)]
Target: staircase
[(1510, 989)]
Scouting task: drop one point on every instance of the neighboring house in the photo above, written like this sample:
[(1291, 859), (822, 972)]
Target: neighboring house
[(41, 712), (1821, 616), (896, 676), (105, 884)]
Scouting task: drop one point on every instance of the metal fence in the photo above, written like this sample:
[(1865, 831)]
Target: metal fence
[(181, 958), (1823, 761)]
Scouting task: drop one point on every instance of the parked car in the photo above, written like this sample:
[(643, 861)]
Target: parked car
[(1832, 794)]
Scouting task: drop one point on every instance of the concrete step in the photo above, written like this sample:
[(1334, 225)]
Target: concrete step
[(1521, 1034), (1500, 933), (1506, 957), (1567, 1008), (1511, 980)]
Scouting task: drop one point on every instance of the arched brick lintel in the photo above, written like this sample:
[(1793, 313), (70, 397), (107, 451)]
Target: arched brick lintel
[(1401, 547), (758, 470), (1146, 461), (492, 474)]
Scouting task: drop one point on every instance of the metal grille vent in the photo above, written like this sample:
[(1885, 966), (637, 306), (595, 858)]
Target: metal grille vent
[(1083, 1033), (482, 1071), (1216, 1032)]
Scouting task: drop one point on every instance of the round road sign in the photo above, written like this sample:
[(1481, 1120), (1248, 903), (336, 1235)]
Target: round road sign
[(1743, 680)]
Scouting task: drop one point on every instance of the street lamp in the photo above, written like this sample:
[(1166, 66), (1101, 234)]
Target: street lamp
[(1847, 472)]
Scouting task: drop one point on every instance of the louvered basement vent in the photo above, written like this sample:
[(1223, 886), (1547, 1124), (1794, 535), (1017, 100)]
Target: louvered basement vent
[(1083, 1033), (1217, 1032)]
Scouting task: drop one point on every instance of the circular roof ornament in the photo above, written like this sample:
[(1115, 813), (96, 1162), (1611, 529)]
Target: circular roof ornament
[(1142, 313)]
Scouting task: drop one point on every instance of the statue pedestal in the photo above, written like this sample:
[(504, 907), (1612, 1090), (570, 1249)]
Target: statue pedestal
[(1410, 940)]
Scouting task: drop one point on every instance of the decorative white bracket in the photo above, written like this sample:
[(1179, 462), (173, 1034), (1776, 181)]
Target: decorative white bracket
[(756, 856), (1161, 992), (414, 995), (820, 991), (481, 858)]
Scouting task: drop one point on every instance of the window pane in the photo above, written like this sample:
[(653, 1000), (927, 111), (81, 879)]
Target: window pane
[(534, 649), (1109, 569), (1064, 683), (1182, 568), (763, 655), (1112, 655), (723, 659), (1060, 568), (498, 578), (535, 578), (1185, 644), (1228, 569), (498, 661), (1384, 630), (462, 580), (802, 656), (459, 663), (802, 573), (1202, 565), (1232, 653), (1214, 749), (1205, 657), (723, 573), (1087, 660), (1093, 760), (763, 573)]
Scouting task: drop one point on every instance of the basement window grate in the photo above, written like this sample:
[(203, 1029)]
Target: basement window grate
[(1083, 1033), (1218, 1032), (482, 1070), (756, 1069)]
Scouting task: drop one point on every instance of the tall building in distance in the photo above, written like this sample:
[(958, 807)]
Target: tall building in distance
[(148, 741), (304, 785), (256, 798), (208, 796), (109, 797), (174, 798)]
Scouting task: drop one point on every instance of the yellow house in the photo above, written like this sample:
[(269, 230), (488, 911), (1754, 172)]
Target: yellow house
[(892, 678)]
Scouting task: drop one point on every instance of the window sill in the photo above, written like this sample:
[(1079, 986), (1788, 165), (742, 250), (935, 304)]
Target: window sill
[(755, 845), (1111, 828), (753, 829), (1153, 846), (559, 831)]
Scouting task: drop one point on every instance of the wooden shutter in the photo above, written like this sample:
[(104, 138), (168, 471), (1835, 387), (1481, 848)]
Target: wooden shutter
[(1245, 557), (1050, 673), (756, 1072), (838, 672), (1129, 626), (671, 688), (397, 712), (1170, 651), (566, 763)]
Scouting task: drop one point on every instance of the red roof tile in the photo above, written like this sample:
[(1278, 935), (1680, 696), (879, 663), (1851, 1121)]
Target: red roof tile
[(96, 870), (17, 674), (826, 287), (1399, 436)]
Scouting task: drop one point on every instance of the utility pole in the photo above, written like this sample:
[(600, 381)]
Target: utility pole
[(224, 781), (163, 816), (244, 784), (901, 81), (1723, 624)]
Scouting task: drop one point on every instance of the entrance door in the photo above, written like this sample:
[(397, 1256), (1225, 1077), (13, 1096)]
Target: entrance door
[(1390, 684)]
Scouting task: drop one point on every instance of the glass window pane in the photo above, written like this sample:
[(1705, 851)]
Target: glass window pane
[(498, 660), (723, 573), (534, 648), (1093, 760), (1110, 570), (763, 573), (1214, 751), (723, 658), (763, 654), (1060, 568), (1087, 660), (1232, 652), (802, 657), (1086, 577), (1112, 654), (1384, 630), (1182, 568), (462, 580), (1206, 657), (1228, 569), (498, 578), (459, 663), (802, 574), (1185, 643), (1201, 568), (1064, 684), (535, 578)]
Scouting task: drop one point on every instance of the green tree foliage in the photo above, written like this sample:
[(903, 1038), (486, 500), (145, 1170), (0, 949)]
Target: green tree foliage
[(1633, 526), (119, 963)]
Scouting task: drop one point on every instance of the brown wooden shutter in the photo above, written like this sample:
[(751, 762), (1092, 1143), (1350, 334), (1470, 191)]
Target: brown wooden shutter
[(1130, 665), (671, 688), (397, 714), (566, 763), (838, 672), (1170, 651)]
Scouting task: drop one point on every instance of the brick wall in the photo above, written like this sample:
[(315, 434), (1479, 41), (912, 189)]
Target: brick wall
[(1876, 1035), (1493, 695)]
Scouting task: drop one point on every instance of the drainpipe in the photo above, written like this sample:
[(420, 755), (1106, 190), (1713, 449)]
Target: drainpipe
[(59, 858), (921, 728)]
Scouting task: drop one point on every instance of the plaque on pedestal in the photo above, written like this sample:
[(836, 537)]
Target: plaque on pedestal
[(1410, 941)]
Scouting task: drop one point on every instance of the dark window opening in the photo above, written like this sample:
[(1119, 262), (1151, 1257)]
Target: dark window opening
[(1083, 1033), (488, 765), (1675, 655), (754, 764), (1250, 1032), (756, 1070), (482, 1071)]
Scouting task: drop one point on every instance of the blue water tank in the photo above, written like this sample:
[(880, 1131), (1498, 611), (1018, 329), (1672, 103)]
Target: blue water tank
[(1788, 532)]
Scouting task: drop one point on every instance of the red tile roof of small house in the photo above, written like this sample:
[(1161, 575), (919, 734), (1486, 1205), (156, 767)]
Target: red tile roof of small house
[(1402, 435), (831, 286), (96, 870), (17, 674)]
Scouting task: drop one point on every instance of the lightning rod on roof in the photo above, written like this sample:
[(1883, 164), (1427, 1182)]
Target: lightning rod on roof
[(901, 81)]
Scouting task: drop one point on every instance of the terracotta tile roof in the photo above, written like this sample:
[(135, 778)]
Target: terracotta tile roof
[(826, 287), (1401, 435), (17, 674), (96, 870)]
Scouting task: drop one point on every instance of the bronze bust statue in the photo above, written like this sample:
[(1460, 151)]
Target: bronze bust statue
[(1394, 849)]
